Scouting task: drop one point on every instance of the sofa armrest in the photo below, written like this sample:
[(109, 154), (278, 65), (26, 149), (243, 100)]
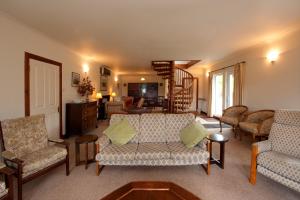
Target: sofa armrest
[(12, 158), (102, 142), (59, 141), (203, 144), (263, 146)]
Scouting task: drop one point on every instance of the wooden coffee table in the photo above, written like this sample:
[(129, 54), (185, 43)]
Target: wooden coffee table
[(150, 190)]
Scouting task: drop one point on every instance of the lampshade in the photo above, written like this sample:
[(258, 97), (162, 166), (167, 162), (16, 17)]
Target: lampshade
[(99, 95), (113, 94)]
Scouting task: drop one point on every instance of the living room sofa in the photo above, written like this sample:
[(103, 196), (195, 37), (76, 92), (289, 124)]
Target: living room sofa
[(278, 157), (157, 143)]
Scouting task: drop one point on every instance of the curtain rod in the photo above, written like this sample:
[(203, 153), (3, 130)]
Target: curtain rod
[(227, 67)]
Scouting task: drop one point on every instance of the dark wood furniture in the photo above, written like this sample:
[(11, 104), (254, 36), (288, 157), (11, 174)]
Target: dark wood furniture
[(85, 139), (81, 117), (151, 190), (8, 172), (221, 140)]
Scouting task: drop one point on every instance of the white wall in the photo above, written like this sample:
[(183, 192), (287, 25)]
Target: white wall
[(15, 39), (269, 86), (137, 79)]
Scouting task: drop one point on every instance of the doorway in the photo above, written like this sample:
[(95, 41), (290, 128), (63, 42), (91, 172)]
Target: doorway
[(43, 91)]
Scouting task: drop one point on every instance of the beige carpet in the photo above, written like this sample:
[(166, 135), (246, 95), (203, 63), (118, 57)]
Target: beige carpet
[(230, 183)]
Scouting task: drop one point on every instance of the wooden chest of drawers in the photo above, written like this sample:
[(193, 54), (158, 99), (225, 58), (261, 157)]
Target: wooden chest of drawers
[(80, 117)]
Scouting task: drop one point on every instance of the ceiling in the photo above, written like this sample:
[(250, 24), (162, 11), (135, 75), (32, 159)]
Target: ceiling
[(128, 34)]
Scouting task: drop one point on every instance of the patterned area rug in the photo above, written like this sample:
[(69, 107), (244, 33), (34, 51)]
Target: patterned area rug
[(211, 123)]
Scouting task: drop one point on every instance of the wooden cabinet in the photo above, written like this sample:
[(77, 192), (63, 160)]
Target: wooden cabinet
[(80, 117)]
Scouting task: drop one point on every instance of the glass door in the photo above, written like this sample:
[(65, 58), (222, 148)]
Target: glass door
[(217, 94), (222, 91)]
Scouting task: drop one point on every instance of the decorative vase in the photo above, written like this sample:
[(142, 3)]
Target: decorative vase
[(87, 98)]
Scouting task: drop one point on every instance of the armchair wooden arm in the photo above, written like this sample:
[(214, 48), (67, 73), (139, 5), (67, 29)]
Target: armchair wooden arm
[(59, 141)]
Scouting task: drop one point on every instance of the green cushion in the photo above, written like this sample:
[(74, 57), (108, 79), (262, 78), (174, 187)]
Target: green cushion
[(120, 132), (192, 134)]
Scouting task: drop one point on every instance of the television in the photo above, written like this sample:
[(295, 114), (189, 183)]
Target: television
[(104, 71)]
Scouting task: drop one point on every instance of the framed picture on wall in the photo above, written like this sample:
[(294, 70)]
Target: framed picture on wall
[(103, 83), (75, 79)]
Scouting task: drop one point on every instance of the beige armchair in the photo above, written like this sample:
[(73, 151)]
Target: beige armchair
[(278, 157), (27, 149), (232, 116), (115, 107), (257, 123)]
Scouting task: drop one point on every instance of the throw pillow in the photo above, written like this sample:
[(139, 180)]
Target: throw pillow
[(120, 133), (192, 134)]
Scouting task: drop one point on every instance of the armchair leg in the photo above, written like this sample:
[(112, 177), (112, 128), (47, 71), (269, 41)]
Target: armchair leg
[(20, 186), (253, 172)]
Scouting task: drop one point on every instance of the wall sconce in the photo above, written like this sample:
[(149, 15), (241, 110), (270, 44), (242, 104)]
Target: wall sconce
[(143, 79), (116, 79), (272, 56), (85, 68)]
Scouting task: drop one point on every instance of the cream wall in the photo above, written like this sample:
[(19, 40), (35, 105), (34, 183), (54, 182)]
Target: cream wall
[(123, 91), (15, 39), (267, 85)]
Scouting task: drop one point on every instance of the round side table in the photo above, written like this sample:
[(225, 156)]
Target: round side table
[(85, 139), (221, 140)]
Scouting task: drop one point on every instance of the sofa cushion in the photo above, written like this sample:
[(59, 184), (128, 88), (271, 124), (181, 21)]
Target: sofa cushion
[(152, 128), (192, 134), (115, 152), (249, 127), (120, 133), (175, 123), (43, 158), (281, 164), (3, 190), (152, 151), (180, 152), (285, 139), (134, 121), (25, 135)]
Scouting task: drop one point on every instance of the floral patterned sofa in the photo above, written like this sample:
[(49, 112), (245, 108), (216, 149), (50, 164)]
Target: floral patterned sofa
[(279, 157), (157, 143)]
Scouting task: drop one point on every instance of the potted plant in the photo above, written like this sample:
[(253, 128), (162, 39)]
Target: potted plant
[(85, 88)]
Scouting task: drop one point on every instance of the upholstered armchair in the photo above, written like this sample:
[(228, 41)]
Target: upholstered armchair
[(232, 116), (257, 123), (6, 182), (27, 148), (278, 157)]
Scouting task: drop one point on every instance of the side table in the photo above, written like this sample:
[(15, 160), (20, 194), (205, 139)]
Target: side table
[(85, 139), (221, 140)]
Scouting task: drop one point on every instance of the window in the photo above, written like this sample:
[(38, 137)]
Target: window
[(222, 91)]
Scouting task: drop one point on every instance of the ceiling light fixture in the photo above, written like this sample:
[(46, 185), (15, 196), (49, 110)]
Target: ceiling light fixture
[(143, 79)]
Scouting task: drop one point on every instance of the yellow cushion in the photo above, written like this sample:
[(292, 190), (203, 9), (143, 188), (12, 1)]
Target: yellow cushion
[(120, 133), (192, 134)]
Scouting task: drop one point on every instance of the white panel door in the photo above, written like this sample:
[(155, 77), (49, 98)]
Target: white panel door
[(44, 94)]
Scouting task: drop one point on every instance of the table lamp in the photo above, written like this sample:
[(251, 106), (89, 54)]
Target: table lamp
[(113, 95), (99, 95)]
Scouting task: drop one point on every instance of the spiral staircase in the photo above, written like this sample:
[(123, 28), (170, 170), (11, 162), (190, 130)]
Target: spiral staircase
[(180, 84)]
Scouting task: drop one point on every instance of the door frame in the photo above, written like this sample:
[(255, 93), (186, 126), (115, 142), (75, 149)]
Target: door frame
[(29, 56)]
